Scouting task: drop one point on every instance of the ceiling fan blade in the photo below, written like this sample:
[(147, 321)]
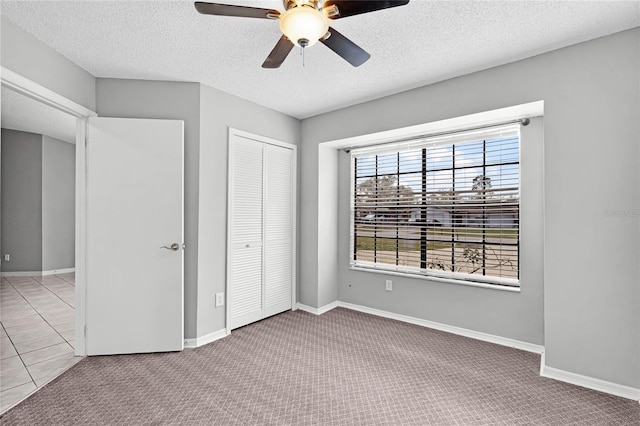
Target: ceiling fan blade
[(279, 53), (239, 11), (344, 47), (356, 7)]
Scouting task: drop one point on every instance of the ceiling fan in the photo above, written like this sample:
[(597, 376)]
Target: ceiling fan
[(304, 22)]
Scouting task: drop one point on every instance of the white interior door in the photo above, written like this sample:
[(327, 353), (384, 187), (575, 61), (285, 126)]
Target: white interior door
[(134, 187)]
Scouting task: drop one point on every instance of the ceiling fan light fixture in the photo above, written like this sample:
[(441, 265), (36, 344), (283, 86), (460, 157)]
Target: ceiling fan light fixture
[(305, 22), (304, 25)]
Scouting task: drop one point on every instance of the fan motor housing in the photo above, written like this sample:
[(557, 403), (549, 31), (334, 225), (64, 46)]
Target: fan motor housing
[(289, 4)]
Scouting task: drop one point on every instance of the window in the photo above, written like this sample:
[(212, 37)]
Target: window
[(445, 206)]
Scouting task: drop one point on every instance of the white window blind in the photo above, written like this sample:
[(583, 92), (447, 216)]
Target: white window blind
[(445, 206)]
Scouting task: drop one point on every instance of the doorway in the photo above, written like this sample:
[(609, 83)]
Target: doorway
[(37, 290), (93, 136)]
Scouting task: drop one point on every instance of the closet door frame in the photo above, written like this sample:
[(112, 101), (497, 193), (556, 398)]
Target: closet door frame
[(233, 132)]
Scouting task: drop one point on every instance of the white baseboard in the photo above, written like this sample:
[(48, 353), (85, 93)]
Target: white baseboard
[(588, 382), (38, 273), (203, 340), (59, 271), (318, 311), (525, 346), (485, 337), (545, 371)]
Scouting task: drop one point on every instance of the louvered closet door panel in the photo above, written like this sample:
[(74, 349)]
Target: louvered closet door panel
[(246, 295), (245, 286), (247, 191), (278, 242)]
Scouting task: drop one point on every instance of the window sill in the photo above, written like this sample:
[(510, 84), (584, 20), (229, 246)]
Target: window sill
[(436, 279)]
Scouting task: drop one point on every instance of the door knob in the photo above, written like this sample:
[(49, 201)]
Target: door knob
[(174, 247)]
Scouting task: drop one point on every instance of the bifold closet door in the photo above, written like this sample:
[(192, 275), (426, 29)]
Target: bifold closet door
[(278, 231), (245, 294), (261, 230)]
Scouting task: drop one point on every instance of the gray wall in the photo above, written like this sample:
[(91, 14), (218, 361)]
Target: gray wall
[(591, 162), (166, 100), (21, 214), (22, 53), (328, 257), (218, 112), (58, 204)]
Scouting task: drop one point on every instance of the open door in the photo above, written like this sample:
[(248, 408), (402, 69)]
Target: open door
[(134, 236)]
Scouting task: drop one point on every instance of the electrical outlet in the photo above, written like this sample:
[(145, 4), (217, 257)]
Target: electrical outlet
[(389, 285), (219, 299), (7, 258)]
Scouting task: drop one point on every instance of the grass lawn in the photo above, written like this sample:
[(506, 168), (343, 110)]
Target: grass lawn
[(389, 244)]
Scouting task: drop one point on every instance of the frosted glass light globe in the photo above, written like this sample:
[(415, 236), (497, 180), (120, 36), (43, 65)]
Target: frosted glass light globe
[(303, 25)]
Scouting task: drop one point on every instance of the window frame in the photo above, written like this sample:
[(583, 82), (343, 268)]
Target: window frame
[(465, 278)]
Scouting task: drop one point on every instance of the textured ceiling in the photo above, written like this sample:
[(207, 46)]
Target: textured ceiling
[(22, 113), (413, 45)]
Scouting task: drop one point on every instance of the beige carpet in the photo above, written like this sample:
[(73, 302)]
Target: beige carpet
[(343, 367)]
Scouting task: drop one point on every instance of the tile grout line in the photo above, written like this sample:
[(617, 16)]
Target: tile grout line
[(46, 288), (19, 357), (51, 326), (59, 277), (68, 282), (36, 311)]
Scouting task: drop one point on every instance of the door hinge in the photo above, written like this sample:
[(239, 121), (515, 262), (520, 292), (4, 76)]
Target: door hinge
[(85, 331)]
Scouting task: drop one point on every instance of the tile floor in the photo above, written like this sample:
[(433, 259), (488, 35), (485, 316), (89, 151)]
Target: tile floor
[(37, 327)]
